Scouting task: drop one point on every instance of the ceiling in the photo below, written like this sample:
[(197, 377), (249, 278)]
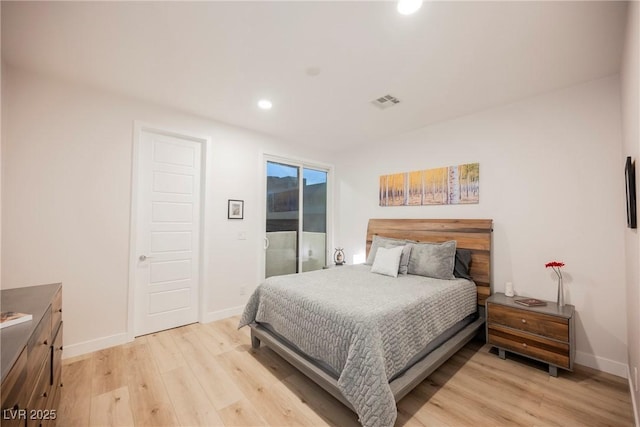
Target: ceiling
[(217, 59)]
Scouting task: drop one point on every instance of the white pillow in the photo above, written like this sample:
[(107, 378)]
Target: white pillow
[(387, 261)]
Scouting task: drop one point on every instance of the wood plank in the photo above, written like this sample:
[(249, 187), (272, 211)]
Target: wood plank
[(106, 373), (474, 387), (331, 410), (166, 353), (190, 402), (414, 411), (260, 386), (214, 380), (75, 399), (112, 408), (148, 395), (217, 341), (241, 413)]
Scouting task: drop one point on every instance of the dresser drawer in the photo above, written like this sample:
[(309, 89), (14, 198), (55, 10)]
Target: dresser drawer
[(38, 347), (56, 358), (40, 396), (550, 351), (56, 310), (529, 321), (13, 393)]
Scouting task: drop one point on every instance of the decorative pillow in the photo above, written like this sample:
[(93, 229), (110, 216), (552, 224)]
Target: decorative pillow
[(463, 264), (387, 261), (433, 259), (382, 242)]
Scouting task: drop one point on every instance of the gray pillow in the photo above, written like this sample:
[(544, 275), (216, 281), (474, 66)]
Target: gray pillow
[(404, 260), (384, 242), (433, 260), (463, 264)]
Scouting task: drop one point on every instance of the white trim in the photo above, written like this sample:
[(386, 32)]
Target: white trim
[(633, 396), (90, 346), (602, 364), (205, 176), (212, 316)]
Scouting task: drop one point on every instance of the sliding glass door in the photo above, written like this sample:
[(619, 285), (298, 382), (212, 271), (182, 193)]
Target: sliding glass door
[(296, 218), (314, 219)]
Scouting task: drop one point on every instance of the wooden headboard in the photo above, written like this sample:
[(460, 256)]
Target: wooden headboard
[(473, 234)]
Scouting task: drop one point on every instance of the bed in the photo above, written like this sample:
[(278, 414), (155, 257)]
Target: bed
[(369, 339)]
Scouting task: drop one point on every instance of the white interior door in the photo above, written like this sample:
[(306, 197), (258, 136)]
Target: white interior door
[(167, 232)]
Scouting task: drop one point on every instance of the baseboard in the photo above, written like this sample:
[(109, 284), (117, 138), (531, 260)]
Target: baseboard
[(636, 414), (212, 316), (90, 346), (602, 364)]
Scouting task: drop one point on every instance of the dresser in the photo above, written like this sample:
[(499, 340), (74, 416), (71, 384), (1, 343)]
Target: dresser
[(31, 356), (545, 333)]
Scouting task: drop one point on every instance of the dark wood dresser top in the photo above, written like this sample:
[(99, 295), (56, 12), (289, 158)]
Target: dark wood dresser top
[(32, 300)]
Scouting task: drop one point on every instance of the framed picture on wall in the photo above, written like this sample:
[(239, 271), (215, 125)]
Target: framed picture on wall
[(235, 209)]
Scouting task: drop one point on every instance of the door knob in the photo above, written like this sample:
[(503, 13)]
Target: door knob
[(144, 257)]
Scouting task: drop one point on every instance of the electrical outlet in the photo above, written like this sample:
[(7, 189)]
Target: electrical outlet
[(243, 290)]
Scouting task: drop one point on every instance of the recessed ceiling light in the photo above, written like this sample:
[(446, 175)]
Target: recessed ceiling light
[(407, 7), (265, 104)]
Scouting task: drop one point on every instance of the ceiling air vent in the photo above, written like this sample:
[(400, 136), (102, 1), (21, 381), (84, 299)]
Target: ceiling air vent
[(385, 102)]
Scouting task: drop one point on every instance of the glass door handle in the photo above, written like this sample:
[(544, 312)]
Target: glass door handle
[(266, 243)]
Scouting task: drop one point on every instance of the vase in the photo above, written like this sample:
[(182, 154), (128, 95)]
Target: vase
[(560, 292)]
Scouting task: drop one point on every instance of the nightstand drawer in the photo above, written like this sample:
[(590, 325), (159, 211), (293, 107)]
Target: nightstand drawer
[(551, 351), (529, 321)]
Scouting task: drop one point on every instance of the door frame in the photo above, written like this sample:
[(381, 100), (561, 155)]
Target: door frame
[(205, 176), (301, 163)]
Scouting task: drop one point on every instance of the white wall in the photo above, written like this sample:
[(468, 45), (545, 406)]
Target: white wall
[(66, 204), (551, 178), (630, 90)]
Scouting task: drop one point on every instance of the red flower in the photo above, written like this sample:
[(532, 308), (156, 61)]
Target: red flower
[(554, 264)]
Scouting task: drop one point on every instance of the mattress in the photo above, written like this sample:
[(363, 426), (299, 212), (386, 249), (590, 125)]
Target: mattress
[(366, 327)]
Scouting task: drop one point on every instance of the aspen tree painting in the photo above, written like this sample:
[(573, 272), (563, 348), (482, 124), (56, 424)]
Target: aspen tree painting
[(440, 186)]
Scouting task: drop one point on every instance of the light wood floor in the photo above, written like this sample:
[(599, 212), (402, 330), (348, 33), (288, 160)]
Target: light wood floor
[(208, 375)]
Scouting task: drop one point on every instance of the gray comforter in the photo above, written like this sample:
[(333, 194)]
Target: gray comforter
[(365, 326)]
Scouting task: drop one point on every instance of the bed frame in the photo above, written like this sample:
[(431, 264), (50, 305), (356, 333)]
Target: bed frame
[(473, 234)]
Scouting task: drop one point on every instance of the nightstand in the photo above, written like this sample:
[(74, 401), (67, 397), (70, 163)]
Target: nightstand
[(545, 333)]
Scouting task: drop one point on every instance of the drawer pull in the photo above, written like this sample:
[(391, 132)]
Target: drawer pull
[(60, 348), (524, 320), (46, 342), (60, 310), (44, 394), (524, 344)]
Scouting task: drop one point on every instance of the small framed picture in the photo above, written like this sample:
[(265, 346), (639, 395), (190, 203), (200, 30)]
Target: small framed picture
[(236, 209)]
